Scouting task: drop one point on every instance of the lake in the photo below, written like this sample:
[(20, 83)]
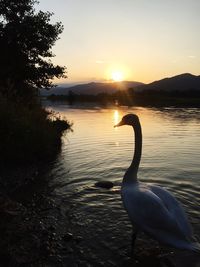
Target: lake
[(96, 151)]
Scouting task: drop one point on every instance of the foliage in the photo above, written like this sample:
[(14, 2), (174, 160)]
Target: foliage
[(28, 134), (153, 98), (26, 40)]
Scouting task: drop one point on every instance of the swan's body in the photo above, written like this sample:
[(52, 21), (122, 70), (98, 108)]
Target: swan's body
[(151, 208)]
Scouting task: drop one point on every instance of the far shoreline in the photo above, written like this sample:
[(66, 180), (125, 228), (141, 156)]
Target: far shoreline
[(159, 102)]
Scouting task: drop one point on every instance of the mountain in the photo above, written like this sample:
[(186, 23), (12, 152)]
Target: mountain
[(93, 88), (182, 82)]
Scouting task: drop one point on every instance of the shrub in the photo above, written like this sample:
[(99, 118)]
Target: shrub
[(28, 132)]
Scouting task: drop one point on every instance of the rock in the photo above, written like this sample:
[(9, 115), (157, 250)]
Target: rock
[(181, 259), (68, 236), (52, 228), (78, 239), (104, 184)]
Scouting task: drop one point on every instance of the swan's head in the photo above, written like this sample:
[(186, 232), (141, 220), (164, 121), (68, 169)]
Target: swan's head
[(129, 119)]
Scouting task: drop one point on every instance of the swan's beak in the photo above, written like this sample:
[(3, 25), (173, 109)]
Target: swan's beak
[(119, 124)]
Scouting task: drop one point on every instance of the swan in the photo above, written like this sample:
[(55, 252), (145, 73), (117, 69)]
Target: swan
[(151, 208)]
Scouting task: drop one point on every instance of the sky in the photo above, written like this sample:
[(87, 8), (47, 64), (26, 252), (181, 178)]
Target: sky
[(135, 40)]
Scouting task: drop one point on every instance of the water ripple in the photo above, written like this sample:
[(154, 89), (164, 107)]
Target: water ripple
[(96, 151)]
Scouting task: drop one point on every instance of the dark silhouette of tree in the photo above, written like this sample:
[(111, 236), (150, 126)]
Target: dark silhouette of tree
[(26, 41)]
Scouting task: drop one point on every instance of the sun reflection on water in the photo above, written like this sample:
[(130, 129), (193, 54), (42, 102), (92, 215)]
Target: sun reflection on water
[(116, 117)]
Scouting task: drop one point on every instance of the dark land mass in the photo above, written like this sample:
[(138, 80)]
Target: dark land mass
[(29, 134), (30, 140), (180, 83), (93, 88), (182, 90)]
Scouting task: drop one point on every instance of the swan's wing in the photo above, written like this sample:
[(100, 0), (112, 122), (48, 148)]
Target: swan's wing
[(174, 207), (148, 212)]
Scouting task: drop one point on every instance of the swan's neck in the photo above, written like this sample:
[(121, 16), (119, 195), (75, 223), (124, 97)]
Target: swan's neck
[(131, 173)]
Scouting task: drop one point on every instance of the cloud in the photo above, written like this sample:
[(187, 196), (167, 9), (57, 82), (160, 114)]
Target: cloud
[(192, 56)]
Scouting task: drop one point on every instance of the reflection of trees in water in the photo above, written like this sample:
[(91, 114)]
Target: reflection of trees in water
[(179, 114)]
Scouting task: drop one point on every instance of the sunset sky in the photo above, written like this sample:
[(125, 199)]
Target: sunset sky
[(141, 40)]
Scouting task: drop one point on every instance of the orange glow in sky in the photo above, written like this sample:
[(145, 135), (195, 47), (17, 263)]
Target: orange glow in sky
[(135, 40)]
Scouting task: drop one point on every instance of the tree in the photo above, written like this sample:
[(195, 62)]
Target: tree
[(26, 41)]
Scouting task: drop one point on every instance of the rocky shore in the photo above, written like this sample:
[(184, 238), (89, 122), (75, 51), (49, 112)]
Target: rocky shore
[(37, 230)]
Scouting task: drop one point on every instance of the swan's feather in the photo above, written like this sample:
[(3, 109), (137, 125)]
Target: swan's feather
[(174, 208), (150, 214)]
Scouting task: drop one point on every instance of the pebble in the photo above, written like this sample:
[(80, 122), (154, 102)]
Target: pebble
[(78, 239), (52, 228), (68, 236)]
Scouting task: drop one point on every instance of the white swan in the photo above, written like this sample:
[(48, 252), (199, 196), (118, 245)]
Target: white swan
[(151, 208)]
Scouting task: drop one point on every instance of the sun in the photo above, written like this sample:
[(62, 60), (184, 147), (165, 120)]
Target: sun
[(117, 76)]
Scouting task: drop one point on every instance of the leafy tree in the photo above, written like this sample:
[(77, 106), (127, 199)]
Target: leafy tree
[(26, 41)]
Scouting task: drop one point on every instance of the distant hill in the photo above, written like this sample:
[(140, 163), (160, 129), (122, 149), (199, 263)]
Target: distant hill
[(182, 82), (93, 88)]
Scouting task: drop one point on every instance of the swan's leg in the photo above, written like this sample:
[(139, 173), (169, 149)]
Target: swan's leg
[(134, 235)]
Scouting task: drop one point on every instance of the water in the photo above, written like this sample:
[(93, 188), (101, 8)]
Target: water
[(96, 151)]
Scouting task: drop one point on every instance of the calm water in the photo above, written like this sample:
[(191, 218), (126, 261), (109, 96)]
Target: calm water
[(96, 151)]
